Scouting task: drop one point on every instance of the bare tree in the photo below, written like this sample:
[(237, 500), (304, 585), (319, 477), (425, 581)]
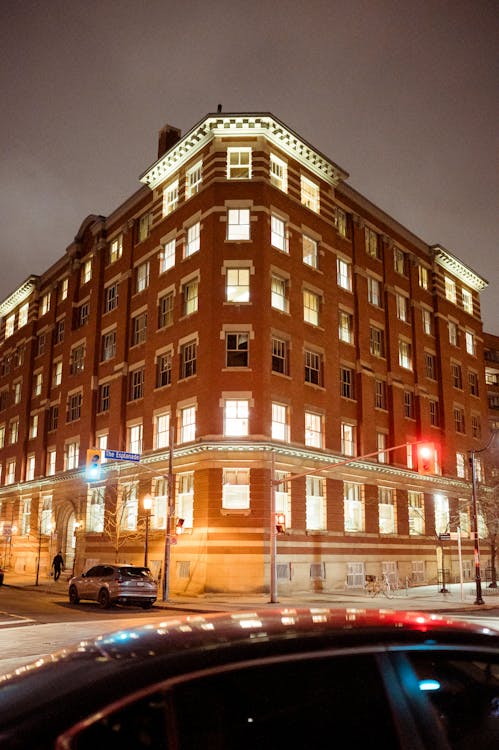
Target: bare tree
[(489, 506), (122, 524)]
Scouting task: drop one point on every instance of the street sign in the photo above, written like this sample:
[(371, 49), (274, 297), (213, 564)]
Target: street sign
[(122, 455), (444, 537)]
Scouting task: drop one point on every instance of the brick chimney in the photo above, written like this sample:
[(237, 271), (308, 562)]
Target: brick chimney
[(168, 137)]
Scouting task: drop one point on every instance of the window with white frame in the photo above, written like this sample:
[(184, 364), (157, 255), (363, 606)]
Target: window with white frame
[(51, 461), (108, 347), (128, 507), (341, 222), (345, 327), (278, 173), (461, 465), (353, 506), (313, 429), (459, 423), (17, 389), (193, 239), (164, 362), (104, 398), (310, 194), (190, 293), (74, 407), (430, 364), (283, 496), (187, 424), (278, 233), (415, 503), (456, 375), (86, 272), (139, 329), (165, 309), (9, 325), (188, 359), (46, 514), (347, 382), (450, 290), (193, 179), (10, 474), (313, 367), (344, 274), (279, 293), (371, 240), (95, 510), (405, 354), (236, 489), (161, 430), (159, 503), (381, 444), (30, 467), (473, 383), (376, 341), (408, 404), (348, 439), (134, 438), (236, 417), (423, 277), (13, 431), (399, 261), (310, 251), (44, 304), (37, 383), (427, 322), (53, 417), (25, 516), (238, 224), (374, 291), (280, 428), (144, 228), (142, 276), (402, 307), (77, 363), (237, 284), (470, 343), (116, 248), (167, 256), (442, 516), (315, 500), (184, 498), (110, 297), (33, 426), (236, 349), (476, 426), (434, 410), (71, 455), (280, 355), (386, 510), (467, 298), (23, 313), (311, 304), (170, 198), (136, 379), (380, 399), (239, 163), (102, 445)]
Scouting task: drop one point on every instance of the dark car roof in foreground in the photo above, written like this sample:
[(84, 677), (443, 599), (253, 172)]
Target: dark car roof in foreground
[(158, 650)]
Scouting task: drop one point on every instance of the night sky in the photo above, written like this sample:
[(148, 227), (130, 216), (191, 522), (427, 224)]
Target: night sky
[(402, 95)]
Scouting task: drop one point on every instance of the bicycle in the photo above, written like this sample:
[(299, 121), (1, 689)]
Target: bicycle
[(375, 586)]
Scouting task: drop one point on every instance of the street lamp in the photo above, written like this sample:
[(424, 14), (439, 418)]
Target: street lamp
[(147, 505)]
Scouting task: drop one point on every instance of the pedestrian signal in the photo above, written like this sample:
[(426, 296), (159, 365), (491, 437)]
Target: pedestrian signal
[(93, 468)]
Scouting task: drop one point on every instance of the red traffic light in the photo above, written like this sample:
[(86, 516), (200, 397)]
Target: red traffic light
[(426, 458)]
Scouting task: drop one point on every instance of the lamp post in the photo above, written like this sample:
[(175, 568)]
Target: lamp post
[(147, 505)]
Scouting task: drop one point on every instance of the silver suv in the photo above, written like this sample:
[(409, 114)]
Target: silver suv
[(115, 584)]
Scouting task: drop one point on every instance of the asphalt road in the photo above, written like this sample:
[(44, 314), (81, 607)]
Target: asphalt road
[(34, 624)]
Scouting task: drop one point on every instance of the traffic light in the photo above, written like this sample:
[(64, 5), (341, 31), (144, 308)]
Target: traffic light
[(93, 465), (280, 523), (426, 458)]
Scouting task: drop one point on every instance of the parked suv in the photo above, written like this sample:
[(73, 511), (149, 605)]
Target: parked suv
[(115, 584)]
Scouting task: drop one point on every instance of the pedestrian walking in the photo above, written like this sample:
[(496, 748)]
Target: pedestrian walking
[(57, 564)]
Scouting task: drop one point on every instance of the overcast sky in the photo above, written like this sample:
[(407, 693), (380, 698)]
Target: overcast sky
[(402, 95)]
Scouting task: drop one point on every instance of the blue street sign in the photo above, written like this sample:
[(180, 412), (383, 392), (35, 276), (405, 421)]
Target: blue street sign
[(122, 456)]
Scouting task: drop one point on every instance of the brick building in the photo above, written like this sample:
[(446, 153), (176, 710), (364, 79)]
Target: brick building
[(245, 316)]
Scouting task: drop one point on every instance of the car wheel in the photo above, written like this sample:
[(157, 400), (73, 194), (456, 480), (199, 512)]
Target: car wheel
[(146, 605), (73, 595), (104, 599)]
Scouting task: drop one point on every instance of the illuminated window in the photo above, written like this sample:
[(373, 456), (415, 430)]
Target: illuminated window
[(170, 198), (427, 322), (236, 417), (423, 277), (10, 474), (345, 327), (44, 304), (144, 229), (26, 515), (161, 430), (116, 249), (193, 179), (86, 272), (77, 362), (280, 428), (344, 274), (184, 498), (341, 222), (315, 500), (399, 261), (17, 390), (405, 354), (37, 384), (313, 429), (13, 431), (33, 426), (386, 510), (51, 461), (108, 346), (9, 325), (239, 163), (127, 511), (134, 441), (371, 240), (165, 310), (402, 307), (461, 465), (310, 253), (467, 301), (278, 173), (62, 290), (353, 505), (453, 333), (380, 447), (470, 343), (30, 468), (415, 502), (374, 292), (95, 510), (71, 455), (187, 424), (238, 224), (348, 439), (376, 342), (236, 489), (279, 293), (310, 194), (237, 282), (167, 256), (193, 241), (190, 292), (450, 290), (311, 303), (142, 277), (442, 517), (278, 234)]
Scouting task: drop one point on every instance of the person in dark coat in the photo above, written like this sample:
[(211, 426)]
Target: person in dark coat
[(57, 564)]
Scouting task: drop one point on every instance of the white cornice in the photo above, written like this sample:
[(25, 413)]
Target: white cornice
[(18, 296), (458, 268), (235, 125)]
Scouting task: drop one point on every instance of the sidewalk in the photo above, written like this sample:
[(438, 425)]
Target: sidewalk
[(421, 598)]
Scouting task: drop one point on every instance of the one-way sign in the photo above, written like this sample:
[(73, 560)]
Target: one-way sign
[(122, 455)]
